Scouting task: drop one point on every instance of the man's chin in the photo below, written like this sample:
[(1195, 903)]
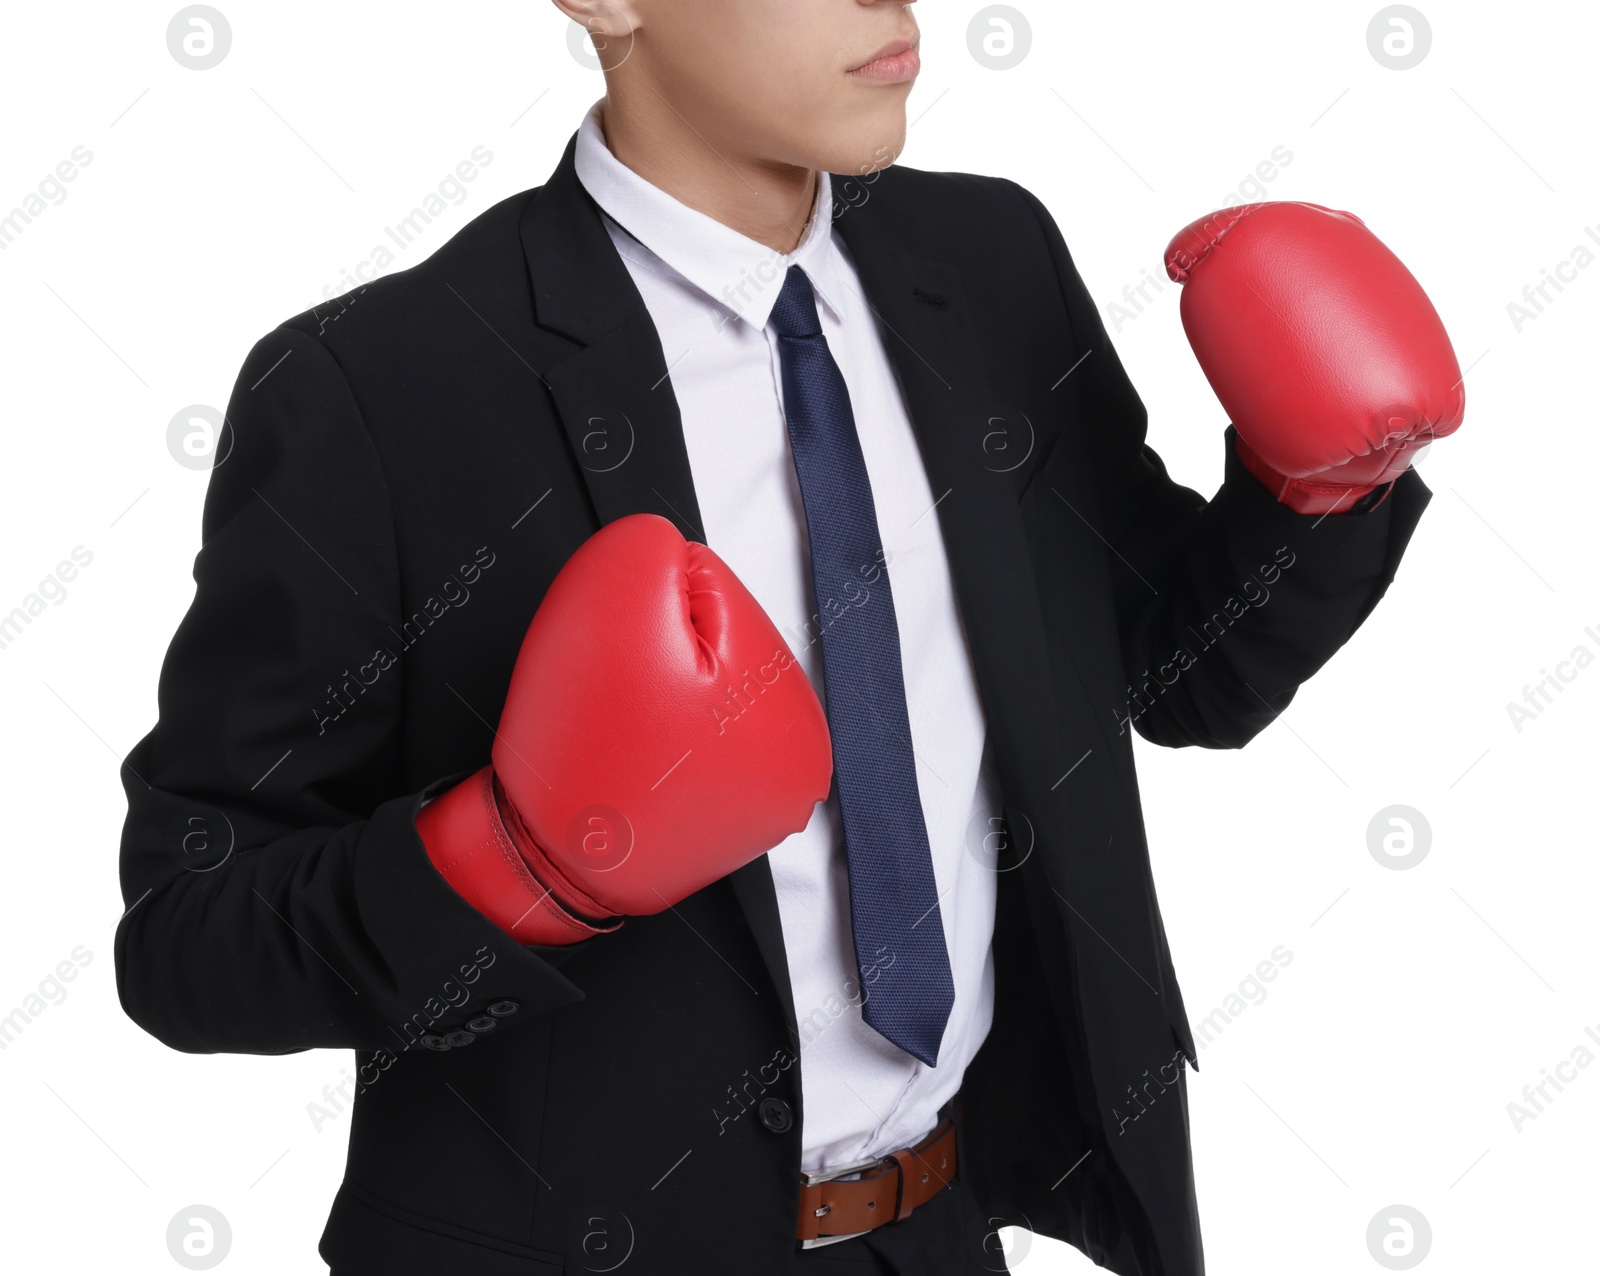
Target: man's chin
[(867, 150)]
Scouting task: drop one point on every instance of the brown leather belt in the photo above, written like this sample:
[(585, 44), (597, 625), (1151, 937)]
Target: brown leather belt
[(890, 1187)]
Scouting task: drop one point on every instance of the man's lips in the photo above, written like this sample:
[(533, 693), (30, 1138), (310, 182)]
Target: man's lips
[(895, 61)]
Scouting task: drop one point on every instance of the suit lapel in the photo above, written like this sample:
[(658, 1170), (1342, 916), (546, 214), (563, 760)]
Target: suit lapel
[(612, 393), (616, 404), (928, 332)]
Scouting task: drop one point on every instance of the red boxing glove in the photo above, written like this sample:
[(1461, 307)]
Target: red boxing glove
[(1326, 353), (657, 735)]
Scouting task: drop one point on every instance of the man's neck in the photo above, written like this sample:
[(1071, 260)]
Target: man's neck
[(764, 201)]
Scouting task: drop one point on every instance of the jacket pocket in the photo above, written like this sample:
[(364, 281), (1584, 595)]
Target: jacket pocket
[(368, 1236)]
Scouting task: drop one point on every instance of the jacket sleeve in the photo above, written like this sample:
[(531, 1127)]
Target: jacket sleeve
[(1224, 607), (278, 896)]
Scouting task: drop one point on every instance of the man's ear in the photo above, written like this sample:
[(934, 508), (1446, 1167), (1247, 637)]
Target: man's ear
[(610, 24)]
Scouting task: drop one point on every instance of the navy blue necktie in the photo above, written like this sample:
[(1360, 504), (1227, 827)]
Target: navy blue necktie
[(894, 905)]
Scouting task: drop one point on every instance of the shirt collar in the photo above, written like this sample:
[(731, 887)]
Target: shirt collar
[(740, 274)]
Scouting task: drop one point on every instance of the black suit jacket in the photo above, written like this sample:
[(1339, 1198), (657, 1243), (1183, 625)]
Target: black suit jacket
[(405, 470)]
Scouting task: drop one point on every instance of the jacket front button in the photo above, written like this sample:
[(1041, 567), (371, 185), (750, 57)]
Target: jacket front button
[(483, 1023), (775, 1115), (503, 1008), (459, 1038), (434, 1041)]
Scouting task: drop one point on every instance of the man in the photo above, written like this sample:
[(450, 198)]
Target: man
[(519, 867)]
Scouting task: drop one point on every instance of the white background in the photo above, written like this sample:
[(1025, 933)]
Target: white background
[(1378, 1068)]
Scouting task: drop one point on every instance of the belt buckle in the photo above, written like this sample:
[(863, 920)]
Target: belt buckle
[(828, 1176)]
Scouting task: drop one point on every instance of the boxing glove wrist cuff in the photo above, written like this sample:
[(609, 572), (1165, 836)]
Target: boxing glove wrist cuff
[(468, 841), (1309, 495), (573, 898)]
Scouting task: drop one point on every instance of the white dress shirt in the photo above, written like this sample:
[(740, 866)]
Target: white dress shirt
[(709, 290)]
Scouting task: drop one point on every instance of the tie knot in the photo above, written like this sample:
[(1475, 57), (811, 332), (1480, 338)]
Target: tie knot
[(794, 314)]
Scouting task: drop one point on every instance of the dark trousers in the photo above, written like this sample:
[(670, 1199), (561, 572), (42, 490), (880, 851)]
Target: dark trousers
[(948, 1236)]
